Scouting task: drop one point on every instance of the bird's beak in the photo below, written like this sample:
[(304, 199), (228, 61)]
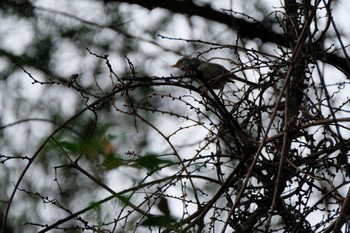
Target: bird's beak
[(175, 66)]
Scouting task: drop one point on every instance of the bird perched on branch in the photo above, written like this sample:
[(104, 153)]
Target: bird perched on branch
[(214, 74)]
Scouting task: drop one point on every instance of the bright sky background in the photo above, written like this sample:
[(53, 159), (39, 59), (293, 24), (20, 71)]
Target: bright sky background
[(17, 35)]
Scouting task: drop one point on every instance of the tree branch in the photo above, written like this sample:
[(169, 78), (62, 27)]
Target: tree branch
[(246, 29)]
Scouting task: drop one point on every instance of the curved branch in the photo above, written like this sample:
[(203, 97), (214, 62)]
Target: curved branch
[(244, 28)]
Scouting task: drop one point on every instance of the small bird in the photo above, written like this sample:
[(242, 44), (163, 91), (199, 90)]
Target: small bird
[(214, 74)]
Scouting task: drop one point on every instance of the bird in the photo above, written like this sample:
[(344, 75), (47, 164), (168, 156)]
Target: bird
[(215, 75)]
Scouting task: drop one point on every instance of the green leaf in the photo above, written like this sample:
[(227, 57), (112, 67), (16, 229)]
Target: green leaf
[(112, 162), (72, 147), (161, 221), (151, 162)]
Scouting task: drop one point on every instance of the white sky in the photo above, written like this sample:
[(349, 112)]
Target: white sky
[(17, 36)]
